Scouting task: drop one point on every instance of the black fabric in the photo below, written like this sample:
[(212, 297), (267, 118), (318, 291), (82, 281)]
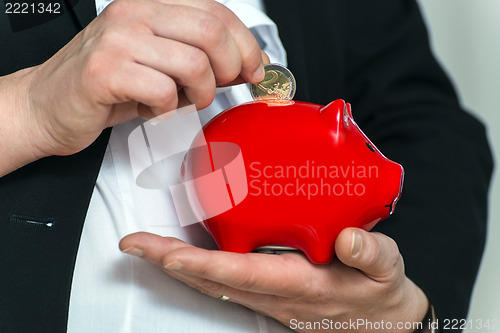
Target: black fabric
[(42, 205), (36, 41), (375, 55), (37, 260), (372, 54)]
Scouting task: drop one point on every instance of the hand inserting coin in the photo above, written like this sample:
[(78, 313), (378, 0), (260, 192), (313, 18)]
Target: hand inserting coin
[(278, 84)]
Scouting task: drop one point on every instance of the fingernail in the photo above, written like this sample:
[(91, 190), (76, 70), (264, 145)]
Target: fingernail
[(259, 74), (356, 244), (174, 266), (133, 251)]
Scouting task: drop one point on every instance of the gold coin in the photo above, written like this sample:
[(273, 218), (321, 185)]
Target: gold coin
[(278, 84)]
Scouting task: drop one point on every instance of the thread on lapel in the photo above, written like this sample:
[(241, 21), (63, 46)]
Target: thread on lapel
[(46, 223)]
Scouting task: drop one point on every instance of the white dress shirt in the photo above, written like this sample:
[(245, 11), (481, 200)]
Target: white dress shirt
[(113, 292)]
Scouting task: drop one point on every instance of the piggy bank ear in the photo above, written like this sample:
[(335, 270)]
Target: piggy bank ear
[(348, 110), (336, 115)]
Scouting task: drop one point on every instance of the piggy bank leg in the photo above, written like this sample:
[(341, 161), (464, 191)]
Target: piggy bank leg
[(319, 247), (321, 253), (231, 239)]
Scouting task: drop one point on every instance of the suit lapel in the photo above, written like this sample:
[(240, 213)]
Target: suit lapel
[(84, 11), (42, 211)]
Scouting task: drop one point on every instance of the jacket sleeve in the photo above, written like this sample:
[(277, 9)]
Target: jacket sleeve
[(43, 204), (376, 55)]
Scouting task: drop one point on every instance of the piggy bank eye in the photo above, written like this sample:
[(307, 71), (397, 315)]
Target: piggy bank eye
[(370, 146)]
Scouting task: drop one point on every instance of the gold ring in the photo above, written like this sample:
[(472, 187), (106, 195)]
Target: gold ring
[(224, 298)]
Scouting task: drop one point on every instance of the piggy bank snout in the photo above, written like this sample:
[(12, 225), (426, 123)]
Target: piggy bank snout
[(392, 185)]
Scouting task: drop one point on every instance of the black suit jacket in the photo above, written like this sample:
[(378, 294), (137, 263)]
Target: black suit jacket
[(372, 54)]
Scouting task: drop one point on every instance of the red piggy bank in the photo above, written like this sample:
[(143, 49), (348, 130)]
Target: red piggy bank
[(289, 174)]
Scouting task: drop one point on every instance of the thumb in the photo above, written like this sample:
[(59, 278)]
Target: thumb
[(373, 253)]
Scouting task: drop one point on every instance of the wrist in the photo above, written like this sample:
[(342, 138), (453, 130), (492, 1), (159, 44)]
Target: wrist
[(430, 322), (19, 132), (411, 309)]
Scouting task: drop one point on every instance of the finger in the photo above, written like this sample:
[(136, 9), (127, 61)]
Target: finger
[(288, 275), (240, 79), (187, 22), (209, 35), (123, 112), (265, 58), (154, 252), (145, 112), (112, 84), (270, 302), (187, 65), (216, 290), (260, 303), (257, 273), (149, 246), (198, 28), (183, 99), (375, 254)]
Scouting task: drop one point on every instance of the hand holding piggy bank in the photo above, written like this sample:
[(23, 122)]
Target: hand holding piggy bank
[(295, 174)]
